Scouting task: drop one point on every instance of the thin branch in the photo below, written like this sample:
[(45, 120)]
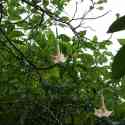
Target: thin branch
[(76, 8), (24, 57), (15, 48), (9, 49), (50, 14), (91, 18), (55, 17)]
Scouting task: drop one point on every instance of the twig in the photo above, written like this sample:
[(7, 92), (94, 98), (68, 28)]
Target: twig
[(91, 18), (76, 7)]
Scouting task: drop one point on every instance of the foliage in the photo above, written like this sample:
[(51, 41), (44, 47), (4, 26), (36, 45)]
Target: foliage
[(117, 25), (118, 66), (33, 89)]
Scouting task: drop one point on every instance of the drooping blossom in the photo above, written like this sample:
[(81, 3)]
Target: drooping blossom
[(102, 111), (58, 57)]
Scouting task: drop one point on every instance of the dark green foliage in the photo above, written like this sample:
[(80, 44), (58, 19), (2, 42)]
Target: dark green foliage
[(117, 25), (118, 66), (36, 91), (36, 110), (121, 41)]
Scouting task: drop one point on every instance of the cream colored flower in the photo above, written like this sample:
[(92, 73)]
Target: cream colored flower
[(59, 56), (102, 111)]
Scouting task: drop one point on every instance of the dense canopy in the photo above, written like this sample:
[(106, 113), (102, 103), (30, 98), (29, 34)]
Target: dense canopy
[(52, 78)]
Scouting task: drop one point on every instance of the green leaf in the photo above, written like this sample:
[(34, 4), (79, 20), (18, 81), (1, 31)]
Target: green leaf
[(15, 34), (118, 66), (35, 19), (100, 8), (95, 39), (64, 37), (45, 2), (101, 1), (121, 41), (65, 19), (82, 33), (117, 25)]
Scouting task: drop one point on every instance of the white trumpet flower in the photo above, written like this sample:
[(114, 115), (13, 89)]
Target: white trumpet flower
[(58, 57), (102, 111)]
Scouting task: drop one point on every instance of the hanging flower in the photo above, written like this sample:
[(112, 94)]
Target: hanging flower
[(59, 56), (102, 111)]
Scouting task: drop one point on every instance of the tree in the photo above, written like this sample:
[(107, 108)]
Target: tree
[(48, 77)]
